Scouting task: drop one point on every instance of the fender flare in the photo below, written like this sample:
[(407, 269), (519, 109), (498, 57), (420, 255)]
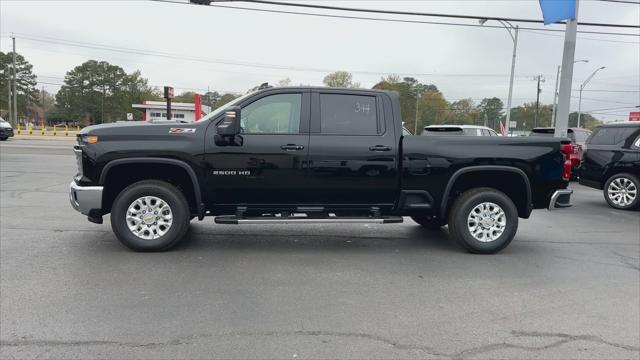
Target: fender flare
[(481, 168), (197, 191)]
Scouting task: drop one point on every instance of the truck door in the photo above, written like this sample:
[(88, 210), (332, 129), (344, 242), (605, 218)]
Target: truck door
[(352, 150), (268, 168)]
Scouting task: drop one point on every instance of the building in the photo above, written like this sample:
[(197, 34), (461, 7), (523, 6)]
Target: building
[(157, 110)]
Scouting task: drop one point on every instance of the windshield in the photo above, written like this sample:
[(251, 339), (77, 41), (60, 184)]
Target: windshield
[(222, 108)]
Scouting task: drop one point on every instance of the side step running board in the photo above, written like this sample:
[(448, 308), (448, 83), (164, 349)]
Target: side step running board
[(232, 219)]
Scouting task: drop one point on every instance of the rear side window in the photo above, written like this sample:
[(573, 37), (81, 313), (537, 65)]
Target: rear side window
[(581, 136), (348, 115), (611, 135), (430, 131), (472, 132)]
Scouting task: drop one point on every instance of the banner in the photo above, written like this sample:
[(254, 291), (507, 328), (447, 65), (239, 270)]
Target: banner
[(558, 10)]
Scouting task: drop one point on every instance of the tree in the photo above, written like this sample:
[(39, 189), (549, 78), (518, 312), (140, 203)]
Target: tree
[(96, 92), (463, 112), (586, 121), (341, 79), (433, 110), (284, 82), (410, 91), (524, 116), (225, 99), (491, 110), (185, 97), (210, 99), (25, 82)]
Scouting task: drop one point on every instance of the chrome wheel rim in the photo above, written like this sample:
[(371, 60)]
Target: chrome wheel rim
[(486, 222), (149, 217), (622, 191)]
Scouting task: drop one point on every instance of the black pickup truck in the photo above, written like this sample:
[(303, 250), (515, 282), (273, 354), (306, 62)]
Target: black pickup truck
[(312, 155)]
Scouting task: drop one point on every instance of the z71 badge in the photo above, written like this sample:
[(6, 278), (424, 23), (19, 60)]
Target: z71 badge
[(182, 130)]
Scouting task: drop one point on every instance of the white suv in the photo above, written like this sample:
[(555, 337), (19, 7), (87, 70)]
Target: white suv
[(464, 130)]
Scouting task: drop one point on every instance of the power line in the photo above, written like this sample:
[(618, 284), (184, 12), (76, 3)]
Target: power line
[(622, 1), (412, 13), (390, 20), (95, 46)]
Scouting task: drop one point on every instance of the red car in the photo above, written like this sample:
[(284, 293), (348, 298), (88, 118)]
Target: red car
[(578, 138)]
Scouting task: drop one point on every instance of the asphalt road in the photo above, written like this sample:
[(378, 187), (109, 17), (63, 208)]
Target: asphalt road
[(567, 287)]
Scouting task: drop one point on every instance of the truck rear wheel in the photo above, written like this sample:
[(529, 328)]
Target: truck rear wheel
[(429, 222), (483, 220), (150, 215)]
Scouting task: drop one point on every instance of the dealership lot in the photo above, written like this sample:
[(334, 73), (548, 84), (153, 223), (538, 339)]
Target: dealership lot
[(567, 287)]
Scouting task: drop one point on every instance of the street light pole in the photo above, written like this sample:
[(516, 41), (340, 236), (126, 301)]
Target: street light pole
[(513, 32), (582, 88), (555, 94)]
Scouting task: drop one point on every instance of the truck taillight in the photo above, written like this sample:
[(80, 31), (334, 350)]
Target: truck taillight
[(566, 171), (566, 150)]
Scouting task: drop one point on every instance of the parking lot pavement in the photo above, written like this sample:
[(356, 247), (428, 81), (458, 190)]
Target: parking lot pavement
[(567, 287)]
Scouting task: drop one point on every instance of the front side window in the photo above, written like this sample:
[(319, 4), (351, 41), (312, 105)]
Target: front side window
[(348, 114), (273, 114), (611, 135)]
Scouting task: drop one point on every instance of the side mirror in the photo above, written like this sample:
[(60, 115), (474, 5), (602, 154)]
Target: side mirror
[(229, 128), (230, 125)]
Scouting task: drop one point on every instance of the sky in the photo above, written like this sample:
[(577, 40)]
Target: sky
[(232, 50)]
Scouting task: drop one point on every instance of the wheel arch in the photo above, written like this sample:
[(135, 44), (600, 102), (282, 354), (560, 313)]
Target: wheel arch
[(196, 195), (617, 169), (457, 182)]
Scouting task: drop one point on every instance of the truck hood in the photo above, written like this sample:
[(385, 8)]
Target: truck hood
[(132, 127)]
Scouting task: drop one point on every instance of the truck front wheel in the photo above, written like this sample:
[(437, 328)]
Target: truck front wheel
[(150, 215), (483, 220)]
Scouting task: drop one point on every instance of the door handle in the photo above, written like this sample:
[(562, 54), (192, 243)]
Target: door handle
[(379, 148), (292, 147)]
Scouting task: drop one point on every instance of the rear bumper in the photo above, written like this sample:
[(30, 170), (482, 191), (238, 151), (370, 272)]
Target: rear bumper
[(85, 198), (560, 199)]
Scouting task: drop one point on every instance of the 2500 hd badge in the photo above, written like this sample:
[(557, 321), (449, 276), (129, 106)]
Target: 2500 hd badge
[(323, 155)]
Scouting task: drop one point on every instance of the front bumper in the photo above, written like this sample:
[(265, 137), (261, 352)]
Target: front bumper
[(85, 198), (6, 132), (560, 199)]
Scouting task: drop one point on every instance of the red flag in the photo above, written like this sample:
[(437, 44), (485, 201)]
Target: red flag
[(502, 129)]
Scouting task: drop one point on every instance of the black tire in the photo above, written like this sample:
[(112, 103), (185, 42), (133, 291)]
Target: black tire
[(429, 222), (3, 138), (167, 193), (461, 210), (627, 178)]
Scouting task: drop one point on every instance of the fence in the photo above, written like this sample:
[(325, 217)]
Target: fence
[(55, 130)]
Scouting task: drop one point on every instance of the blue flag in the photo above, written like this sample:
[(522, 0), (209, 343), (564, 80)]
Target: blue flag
[(557, 10)]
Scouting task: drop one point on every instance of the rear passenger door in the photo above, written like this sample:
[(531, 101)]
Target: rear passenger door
[(352, 150)]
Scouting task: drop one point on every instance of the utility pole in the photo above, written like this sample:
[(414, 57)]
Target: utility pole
[(14, 120), (415, 128), (538, 90), (6, 72), (42, 101)]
